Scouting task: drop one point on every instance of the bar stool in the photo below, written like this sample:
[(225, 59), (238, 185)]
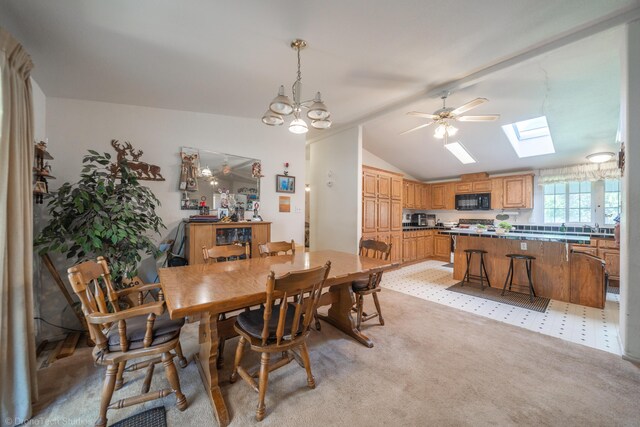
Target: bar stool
[(527, 260), (483, 269)]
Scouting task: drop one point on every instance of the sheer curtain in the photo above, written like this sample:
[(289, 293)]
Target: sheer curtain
[(586, 172), (17, 342)]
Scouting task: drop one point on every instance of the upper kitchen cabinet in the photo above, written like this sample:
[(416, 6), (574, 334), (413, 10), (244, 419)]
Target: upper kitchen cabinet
[(369, 183), (517, 192), (409, 195), (384, 186), (443, 196), (426, 196), (396, 188)]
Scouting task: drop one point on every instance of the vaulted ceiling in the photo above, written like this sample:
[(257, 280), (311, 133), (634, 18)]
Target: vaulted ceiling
[(365, 56)]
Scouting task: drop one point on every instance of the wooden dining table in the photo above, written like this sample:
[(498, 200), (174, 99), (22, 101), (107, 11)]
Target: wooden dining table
[(208, 290)]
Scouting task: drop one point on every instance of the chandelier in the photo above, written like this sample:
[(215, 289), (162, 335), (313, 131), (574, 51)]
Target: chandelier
[(282, 105), (444, 129)]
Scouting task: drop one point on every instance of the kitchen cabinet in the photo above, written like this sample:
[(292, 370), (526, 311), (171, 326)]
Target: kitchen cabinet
[(396, 188), (396, 246), (369, 215), (449, 197), (483, 186), (384, 214), (463, 187), (417, 196), (426, 196), (384, 186), (409, 195), (369, 184), (428, 245), (396, 215), (611, 258), (442, 246), (517, 192), (438, 196), (496, 193)]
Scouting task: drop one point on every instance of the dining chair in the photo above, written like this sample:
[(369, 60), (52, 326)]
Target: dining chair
[(277, 248), (144, 332), (370, 285), (280, 326), (226, 252)]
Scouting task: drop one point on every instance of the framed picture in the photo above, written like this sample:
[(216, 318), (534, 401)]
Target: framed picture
[(285, 184), (40, 187), (284, 204)]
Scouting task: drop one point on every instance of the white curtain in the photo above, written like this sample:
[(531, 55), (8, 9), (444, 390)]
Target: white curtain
[(17, 342), (587, 172)]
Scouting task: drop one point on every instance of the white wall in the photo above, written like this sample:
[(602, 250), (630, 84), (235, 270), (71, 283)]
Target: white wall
[(336, 210), (74, 126), (630, 221), (370, 159)]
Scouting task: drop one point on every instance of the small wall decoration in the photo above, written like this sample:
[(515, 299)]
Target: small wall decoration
[(40, 187), (189, 170), (285, 204), (256, 170), (145, 171), (285, 184), (621, 159), (286, 168)]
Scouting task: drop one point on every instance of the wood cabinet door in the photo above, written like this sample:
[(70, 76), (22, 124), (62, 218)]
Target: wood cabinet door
[(396, 188), (517, 192), (369, 183), (442, 246), (585, 248), (449, 197), (417, 196), (260, 234), (420, 249), (412, 249), (406, 249), (438, 196), (384, 215), (496, 193), (426, 196), (384, 186), (396, 215), (369, 215), (396, 247), (199, 235), (411, 195), (428, 246), (612, 263), (463, 187), (482, 186)]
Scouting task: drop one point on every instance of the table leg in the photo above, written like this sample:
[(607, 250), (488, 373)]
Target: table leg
[(206, 361), (339, 314)]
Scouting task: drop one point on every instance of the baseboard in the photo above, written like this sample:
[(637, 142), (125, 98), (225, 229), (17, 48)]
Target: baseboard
[(630, 358)]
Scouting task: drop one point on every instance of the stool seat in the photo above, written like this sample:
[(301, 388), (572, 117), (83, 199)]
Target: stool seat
[(483, 269), (520, 256)]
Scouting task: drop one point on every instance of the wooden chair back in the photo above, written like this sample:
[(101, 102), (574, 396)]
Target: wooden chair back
[(227, 252), (91, 281), (302, 289), (276, 248), (378, 250)]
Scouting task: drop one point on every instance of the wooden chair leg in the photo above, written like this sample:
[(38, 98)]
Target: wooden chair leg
[(304, 353), (360, 302), (317, 319), (238, 359), (377, 303), (107, 392), (119, 375), (172, 375), (181, 359), (262, 384)]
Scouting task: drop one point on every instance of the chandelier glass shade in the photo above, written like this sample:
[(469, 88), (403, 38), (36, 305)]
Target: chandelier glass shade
[(282, 105), (445, 129)]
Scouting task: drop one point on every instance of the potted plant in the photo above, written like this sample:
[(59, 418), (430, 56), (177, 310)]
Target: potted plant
[(503, 227), (103, 214), (481, 228)]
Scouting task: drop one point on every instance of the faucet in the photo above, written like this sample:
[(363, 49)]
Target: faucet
[(596, 229)]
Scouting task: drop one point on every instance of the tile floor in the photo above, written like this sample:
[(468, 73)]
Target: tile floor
[(592, 327)]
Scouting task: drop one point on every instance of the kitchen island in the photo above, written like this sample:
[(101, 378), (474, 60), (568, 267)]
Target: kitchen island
[(551, 270)]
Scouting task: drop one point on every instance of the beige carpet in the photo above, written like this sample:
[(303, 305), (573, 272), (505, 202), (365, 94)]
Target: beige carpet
[(431, 365)]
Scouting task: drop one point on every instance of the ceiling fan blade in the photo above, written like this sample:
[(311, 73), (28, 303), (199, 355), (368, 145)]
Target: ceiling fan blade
[(416, 128), (487, 118), (469, 105), (425, 115)]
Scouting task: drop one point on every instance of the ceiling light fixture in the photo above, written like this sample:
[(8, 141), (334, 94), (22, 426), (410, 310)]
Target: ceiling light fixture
[(600, 157), (282, 105)]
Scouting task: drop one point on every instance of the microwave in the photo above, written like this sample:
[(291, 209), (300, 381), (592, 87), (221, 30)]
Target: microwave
[(473, 202)]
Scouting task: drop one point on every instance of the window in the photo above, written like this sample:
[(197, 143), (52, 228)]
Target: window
[(567, 202), (530, 137), (612, 202)]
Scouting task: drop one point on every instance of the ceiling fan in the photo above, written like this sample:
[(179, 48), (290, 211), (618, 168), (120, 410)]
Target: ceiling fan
[(444, 116)]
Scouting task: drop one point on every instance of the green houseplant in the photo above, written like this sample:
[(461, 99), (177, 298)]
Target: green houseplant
[(503, 227), (104, 215)]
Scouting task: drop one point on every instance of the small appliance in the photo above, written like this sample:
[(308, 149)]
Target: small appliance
[(419, 219), (473, 202)]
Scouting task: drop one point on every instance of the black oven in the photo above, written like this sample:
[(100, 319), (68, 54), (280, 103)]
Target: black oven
[(473, 202)]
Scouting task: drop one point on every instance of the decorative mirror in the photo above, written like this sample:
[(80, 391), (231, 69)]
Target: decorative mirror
[(219, 184)]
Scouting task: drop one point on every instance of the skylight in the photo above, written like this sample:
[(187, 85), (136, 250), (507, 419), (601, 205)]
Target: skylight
[(530, 137), (460, 152)]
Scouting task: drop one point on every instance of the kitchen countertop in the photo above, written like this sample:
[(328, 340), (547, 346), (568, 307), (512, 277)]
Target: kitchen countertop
[(547, 237), (423, 227)]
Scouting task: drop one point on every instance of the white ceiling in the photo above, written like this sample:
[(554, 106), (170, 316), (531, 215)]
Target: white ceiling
[(230, 57)]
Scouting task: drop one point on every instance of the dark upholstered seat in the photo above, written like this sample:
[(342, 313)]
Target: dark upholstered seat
[(164, 329), (252, 321), (520, 256), (475, 251), (360, 284)]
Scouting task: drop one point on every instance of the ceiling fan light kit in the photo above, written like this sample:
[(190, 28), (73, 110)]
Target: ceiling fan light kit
[(282, 105)]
